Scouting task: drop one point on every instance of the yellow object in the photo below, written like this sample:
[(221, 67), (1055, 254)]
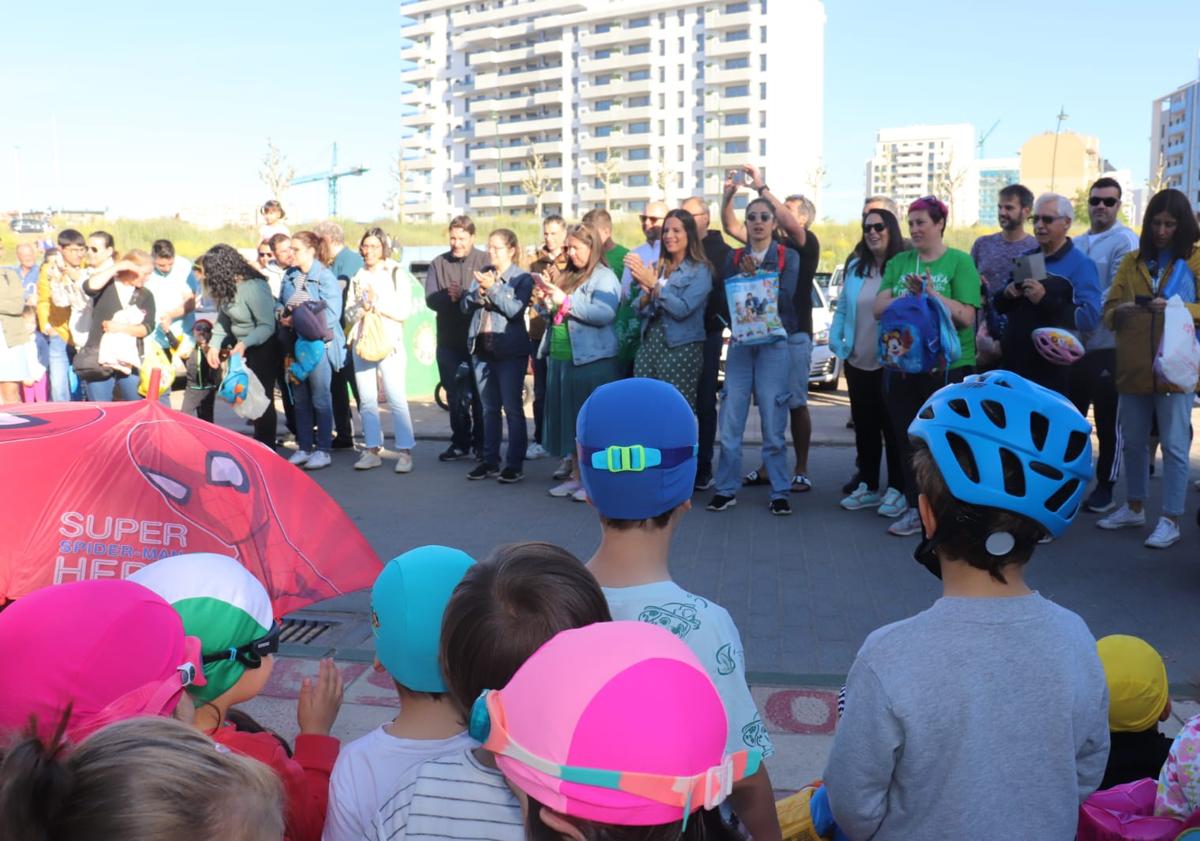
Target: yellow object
[(1137, 683), (795, 816), (372, 342), (155, 358)]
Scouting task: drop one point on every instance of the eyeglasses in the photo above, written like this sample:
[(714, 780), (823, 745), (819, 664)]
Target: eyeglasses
[(1046, 220), (645, 218), (877, 227), (264, 254), (759, 217), (1107, 201), (251, 654)]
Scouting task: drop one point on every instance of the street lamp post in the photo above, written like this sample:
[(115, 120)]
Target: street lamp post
[(1062, 115)]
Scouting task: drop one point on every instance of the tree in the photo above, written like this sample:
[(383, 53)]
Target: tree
[(662, 177), (398, 194), (276, 172), (946, 184), (1080, 202), (535, 183), (1157, 181), (606, 173)]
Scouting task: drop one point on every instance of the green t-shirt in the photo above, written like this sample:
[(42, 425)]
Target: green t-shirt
[(954, 275), (560, 342), (615, 257)]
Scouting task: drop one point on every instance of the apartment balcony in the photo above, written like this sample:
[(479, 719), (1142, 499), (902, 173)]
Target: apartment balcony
[(416, 52), (616, 37), (491, 36), (737, 20), (616, 63), (416, 97), (487, 128), (507, 104), (616, 141), (716, 75), (420, 117), (424, 163), (491, 81), (615, 88), (619, 192), (617, 115), (516, 201), (502, 14), (494, 58), (716, 48), (486, 177), (729, 160), (725, 104), (425, 72), (520, 152)]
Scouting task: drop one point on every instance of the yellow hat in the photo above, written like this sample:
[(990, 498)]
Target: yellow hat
[(1137, 683)]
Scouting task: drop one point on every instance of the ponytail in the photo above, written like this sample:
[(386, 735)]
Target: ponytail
[(317, 244), (35, 785)]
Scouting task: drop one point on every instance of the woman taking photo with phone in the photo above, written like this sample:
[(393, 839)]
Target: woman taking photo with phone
[(933, 268), (1166, 263), (669, 298), (499, 343), (580, 343), (854, 338), (381, 287)]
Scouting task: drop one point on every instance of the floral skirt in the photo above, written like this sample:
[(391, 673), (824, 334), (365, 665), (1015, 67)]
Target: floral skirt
[(680, 366)]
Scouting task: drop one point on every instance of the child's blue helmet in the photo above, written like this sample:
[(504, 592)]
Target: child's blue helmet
[(1004, 442)]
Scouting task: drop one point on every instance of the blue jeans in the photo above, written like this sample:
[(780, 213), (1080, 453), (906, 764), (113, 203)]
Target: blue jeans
[(60, 369), (313, 396), (1135, 413), (765, 369), (392, 369), (500, 382), (124, 384)]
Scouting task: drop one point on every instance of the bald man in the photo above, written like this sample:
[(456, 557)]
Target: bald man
[(716, 250), (27, 270), (652, 221)]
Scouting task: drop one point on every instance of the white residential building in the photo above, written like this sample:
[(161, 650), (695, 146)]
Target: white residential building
[(1175, 141), (627, 100), (915, 161)]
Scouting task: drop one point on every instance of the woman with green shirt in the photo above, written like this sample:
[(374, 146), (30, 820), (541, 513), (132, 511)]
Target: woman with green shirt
[(949, 275)]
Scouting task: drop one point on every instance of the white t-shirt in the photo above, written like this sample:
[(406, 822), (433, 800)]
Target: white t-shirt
[(450, 797), (708, 630), (366, 772), (170, 290), (649, 255)]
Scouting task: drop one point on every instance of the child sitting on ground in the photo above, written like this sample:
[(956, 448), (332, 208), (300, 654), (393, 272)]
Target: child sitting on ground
[(505, 608), (407, 604), (614, 731), (637, 453), (983, 717), (1137, 702), (230, 611), (1179, 782)]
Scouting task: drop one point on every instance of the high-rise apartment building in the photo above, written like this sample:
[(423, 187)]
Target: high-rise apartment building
[(1175, 141), (994, 175), (619, 100), (915, 161)]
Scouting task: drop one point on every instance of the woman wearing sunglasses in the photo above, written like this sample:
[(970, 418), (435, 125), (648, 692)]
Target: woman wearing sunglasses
[(229, 610), (101, 250), (854, 338), (948, 274)]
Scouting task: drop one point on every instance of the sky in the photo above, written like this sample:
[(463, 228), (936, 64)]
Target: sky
[(155, 108)]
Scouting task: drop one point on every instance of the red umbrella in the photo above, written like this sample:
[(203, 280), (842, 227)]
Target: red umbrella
[(99, 490)]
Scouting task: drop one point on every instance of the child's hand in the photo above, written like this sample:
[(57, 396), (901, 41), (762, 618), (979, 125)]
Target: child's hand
[(319, 703)]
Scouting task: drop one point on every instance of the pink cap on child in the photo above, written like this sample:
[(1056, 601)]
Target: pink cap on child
[(110, 649), (625, 697)]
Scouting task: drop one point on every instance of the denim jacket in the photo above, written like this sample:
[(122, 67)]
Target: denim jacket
[(590, 321), (321, 285), (682, 297), (845, 316), (503, 307)]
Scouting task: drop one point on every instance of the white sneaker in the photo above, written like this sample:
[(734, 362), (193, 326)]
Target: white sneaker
[(580, 495), (907, 525), (566, 489), (564, 469), (1164, 534), (317, 460), (367, 460), (861, 498), (404, 462), (535, 451), (893, 504), (1123, 518), (298, 458)]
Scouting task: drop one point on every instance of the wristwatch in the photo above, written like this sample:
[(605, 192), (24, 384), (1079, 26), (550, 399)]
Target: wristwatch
[(762, 189)]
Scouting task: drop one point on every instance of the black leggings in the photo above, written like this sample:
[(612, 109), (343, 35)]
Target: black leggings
[(904, 395), (873, 432), (265, 361)]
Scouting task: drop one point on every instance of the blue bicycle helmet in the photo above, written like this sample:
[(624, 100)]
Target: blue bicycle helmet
[(999, 422)]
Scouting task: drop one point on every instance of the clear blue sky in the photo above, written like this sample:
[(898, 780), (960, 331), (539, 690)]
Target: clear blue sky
[(164, 106)]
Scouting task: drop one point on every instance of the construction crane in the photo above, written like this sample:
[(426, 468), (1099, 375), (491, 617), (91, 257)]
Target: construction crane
[(330, 177), (984, 138)]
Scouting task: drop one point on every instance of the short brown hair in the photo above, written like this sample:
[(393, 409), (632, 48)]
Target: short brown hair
[(507, 607), (656, 523), (462, 222), (962, 528), (599, 217)]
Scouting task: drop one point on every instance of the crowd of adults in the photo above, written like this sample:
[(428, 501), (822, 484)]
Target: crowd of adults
[(584, 310)]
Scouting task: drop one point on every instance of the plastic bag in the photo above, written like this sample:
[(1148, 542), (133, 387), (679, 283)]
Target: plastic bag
[(1178, 358), (371, 341), (256, 401), (154, 359), (754, 308)]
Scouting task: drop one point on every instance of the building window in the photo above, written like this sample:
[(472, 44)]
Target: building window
[(737, 63), (680, 103), (662, 128), (762, 63), (639, 101), (762, 148), (603, 79), (602, 54), (638, 49), (639, 23), (762, 34), (680, 148), (680, 126), (662, 48), (640, 127), (639, 153), (639, 75), (740, 119), (681, 72), (735, 147), (602, 28), (603, 131), (762, 90), (604, 104), (734, 8), (737, 35), (600, 157), (639, 180), (681, 20), (762, 119), (662, 75), (737, 90), (681, 41)]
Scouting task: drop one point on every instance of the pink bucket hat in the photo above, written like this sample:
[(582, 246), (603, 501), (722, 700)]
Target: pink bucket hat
[(616, 723), (111, 649)]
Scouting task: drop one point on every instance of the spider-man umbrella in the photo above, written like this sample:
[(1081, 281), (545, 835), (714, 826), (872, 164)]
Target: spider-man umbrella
[(98, 490)]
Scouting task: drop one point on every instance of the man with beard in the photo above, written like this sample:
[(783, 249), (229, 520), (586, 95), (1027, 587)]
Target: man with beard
[(993, 255)]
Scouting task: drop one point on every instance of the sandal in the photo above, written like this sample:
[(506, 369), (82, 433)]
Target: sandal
[(801, 483), (756, 477)]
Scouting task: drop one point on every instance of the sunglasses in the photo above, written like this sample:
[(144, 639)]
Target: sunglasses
[(93, 249), (650, 218), (1107, 201), (1046, 220), (759, 217), (252, 653), (876, 227), (264, 254)]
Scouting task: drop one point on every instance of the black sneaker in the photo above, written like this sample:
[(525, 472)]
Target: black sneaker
[(484, 471), (451, 453), (757, 477), (780, 507), (1100, 501), (508, 476), (720, 502), (851, 486), (704, 481)]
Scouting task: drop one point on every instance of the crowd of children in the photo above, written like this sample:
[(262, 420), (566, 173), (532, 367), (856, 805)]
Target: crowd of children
[(541, 697)]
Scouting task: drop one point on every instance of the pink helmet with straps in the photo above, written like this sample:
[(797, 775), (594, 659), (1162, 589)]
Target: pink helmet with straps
[(1057, 345)]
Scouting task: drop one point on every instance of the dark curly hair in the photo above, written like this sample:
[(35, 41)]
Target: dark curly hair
[(223, 266)]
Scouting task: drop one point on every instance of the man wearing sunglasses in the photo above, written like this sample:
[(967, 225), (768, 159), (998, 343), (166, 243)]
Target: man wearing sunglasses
[(1092, 381), (647, 253)]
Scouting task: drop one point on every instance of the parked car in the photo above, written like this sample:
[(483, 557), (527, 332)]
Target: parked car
[(30, 225)]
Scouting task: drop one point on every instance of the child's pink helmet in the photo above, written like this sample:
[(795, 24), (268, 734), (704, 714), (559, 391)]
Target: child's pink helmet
[(1057, 345), (615, 723)]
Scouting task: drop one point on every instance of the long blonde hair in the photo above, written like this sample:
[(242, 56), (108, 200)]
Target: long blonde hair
[(149, 779), (573, 278)]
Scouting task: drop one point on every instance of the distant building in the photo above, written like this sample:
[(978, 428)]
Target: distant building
[(994, 175), (915, 161), (1175, 141), (622, 101), (1066, 163)]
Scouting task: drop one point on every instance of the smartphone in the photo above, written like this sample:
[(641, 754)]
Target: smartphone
[(738, 176), (488, 268)]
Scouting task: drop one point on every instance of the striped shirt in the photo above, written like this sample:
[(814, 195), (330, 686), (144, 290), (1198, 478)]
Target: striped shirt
[(452, 797)]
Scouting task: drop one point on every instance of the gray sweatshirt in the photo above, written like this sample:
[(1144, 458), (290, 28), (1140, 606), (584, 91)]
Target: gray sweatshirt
[(976, 719), (1107, 250)]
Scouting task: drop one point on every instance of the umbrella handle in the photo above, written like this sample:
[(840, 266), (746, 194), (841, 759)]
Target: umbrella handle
[(155, 378)]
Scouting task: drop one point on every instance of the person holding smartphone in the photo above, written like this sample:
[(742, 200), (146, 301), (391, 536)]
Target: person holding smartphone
[(499, 342)]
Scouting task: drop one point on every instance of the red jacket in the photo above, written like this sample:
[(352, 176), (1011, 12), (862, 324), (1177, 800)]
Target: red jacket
[(305, 775)]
